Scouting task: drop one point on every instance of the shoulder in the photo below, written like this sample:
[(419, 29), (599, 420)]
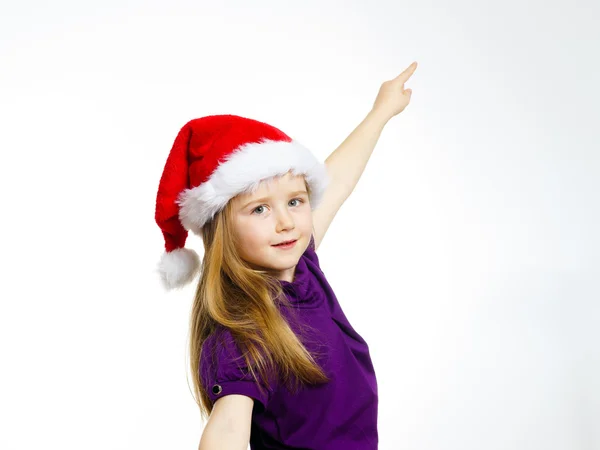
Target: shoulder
[(311, 252), (220, 353), (223, 369)]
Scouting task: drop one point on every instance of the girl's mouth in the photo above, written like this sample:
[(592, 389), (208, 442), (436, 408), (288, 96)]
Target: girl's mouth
[(286, 245)]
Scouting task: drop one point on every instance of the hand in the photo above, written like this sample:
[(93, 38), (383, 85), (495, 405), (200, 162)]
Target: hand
[(392, 97)]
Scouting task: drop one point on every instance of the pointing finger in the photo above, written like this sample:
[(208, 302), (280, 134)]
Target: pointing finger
[(406, 74)]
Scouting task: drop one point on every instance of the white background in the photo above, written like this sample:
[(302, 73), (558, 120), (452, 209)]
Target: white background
[(467, 256)]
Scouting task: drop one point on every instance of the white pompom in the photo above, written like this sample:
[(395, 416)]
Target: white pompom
[(178, 267)]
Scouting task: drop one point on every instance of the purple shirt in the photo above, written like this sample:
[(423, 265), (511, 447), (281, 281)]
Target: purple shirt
[(340, 414)]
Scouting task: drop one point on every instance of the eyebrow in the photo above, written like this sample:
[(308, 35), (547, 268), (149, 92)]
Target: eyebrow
[(267, 198)]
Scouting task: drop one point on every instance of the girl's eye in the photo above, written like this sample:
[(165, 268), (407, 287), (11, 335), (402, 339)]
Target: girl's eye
[(255, 209)]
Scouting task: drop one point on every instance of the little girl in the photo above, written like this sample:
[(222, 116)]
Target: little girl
[(275, 362)]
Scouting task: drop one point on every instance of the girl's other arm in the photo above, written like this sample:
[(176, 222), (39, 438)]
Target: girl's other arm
[(346, 164), (228, 426), (344, 167)]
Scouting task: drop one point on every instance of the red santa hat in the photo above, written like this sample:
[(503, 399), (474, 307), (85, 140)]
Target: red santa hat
[(213, 159)]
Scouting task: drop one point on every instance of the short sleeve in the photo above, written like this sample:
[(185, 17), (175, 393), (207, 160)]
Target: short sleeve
[(223, 370), (311, 253)]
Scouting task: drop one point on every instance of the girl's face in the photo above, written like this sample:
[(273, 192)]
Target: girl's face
[(278, 211)]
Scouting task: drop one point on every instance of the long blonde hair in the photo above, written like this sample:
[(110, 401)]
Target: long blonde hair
[(232, 294)]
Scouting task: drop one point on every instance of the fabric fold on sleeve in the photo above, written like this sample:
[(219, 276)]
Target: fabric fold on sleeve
[(223, 370)]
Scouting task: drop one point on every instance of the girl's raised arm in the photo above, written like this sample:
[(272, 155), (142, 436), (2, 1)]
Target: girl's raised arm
[(346, 164)]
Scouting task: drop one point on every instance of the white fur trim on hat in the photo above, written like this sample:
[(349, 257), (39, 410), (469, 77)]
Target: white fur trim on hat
[(243, 171), (178, 267)]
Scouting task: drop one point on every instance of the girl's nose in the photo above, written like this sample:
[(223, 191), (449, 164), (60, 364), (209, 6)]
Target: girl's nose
[(284, 221)]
